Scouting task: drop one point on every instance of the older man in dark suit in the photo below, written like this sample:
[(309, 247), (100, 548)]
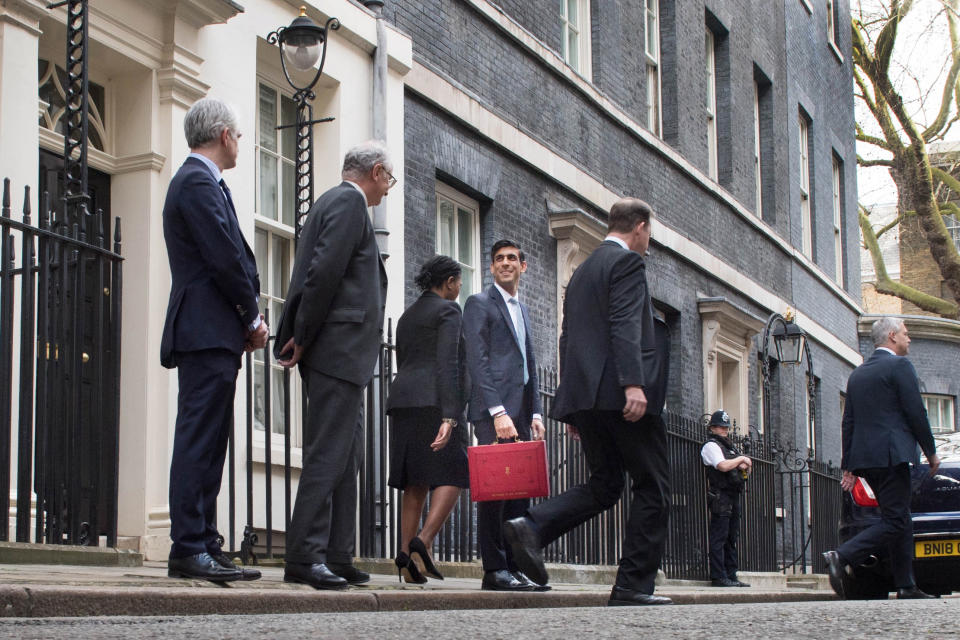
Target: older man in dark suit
[(883, 422), (504, 399), (331, 326), (612, 384), (211, 319)]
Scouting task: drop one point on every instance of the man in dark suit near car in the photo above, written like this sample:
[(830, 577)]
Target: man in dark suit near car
[(331, 326), (611, 393), (883, 422), (504, 399), (212, 317)]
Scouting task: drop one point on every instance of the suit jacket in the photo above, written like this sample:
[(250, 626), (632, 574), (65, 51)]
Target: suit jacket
[(431, 366), (214, 288), (884, 418), (608, 339), (494, 359), (338, 290)]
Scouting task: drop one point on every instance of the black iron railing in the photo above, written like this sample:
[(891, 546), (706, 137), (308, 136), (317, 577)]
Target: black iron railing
[(60, 301), (771, 537)]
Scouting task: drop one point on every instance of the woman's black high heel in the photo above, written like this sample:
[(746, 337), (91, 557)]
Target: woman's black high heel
[(417, 547), (407, 569)]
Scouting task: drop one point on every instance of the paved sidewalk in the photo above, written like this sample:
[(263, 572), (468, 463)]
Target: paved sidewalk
[(45, 590)]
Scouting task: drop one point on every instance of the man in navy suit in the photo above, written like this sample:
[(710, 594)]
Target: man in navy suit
[(212, 318), (504, 399), (331, 326), (613, 369), (883, 422)]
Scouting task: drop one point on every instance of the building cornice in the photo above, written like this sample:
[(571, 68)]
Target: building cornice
[(201, 13), (114, 165), (25, 14), (734, 318), (924, 327)]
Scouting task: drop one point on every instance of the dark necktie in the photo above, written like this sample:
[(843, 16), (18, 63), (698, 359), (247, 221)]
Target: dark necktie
[(226, 192)]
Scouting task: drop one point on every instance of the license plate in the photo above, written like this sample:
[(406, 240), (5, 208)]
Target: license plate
[(934, 548)]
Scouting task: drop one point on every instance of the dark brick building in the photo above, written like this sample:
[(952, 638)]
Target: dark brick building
[(733, 119)]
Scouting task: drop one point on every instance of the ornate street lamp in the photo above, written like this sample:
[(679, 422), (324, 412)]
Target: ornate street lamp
[(791, 344), (301, 44)]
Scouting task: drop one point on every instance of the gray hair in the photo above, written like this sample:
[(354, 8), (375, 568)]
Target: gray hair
[(881, 329), (361, 159), (206, 119)]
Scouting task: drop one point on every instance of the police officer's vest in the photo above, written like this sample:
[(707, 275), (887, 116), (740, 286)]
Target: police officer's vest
[(726, 481)]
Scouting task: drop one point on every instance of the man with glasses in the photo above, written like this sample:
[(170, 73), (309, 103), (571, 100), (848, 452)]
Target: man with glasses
[(331, 326)]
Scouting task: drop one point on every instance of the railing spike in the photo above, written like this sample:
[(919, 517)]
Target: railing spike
[(26, 204), (5, 211)]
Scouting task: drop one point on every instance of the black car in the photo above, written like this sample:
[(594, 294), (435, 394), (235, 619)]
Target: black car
[(935, 508)]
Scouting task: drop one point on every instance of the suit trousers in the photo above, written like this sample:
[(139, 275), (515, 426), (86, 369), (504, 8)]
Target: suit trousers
[(494, 551), (894, 531), (207, 382), (324, 522), (613, 446), (724, 535)]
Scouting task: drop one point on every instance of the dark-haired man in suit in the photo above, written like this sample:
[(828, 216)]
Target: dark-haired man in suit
[(611, 393), (331, 326), (212, 317), (504, 399), (883, 422)]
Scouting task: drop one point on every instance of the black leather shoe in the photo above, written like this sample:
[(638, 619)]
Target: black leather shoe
[(502, 580), (201, 566), (723, 582), (837, 570), (741, 583), (620, 597), (913, 593), (527, 552), (226, 562), (522, 577), (316, 575), (349, 573)]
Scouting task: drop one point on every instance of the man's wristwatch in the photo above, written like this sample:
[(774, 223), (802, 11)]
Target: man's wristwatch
[(453, 423)]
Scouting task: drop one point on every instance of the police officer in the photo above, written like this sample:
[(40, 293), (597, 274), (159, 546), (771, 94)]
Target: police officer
[(727, 472)]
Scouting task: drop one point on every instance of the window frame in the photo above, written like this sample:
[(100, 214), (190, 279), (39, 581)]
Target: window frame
[(806, 206), (654, 91), (837, 220), (279, 155), (582, 30), (710, 54), (462, 201), (757, 161), (951, 409)]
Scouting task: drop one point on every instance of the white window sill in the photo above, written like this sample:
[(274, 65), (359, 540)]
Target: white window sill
[(276, 453), (806, 5)]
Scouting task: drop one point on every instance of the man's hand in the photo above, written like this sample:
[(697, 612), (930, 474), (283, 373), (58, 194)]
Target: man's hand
[(257, 339), (934, 462), (504, 427), (443, 436), (573, 432), (746, 462), (636, 403), (295, 352), (848, 480), (537, 429)]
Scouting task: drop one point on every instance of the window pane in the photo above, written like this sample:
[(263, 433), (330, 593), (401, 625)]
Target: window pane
[(277, 408), (280, 267), (573, 50), (268, 185), (288, 136), (289, 193), (445, 237), (465, 239), (572, 14), (258, 396), (268, 118), (467, 289)]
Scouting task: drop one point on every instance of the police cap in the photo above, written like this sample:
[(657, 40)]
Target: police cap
[(720, 419)]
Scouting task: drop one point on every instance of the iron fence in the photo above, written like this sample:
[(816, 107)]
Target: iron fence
[(767, 520), (60, 301)]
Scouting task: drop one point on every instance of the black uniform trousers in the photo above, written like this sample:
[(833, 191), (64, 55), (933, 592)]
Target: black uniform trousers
[(724, 535), (494, 551), (613, 446), (207, 382), (894, 531), (323, 525)]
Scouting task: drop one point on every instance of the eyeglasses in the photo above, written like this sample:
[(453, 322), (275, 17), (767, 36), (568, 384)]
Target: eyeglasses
[(390, 179)]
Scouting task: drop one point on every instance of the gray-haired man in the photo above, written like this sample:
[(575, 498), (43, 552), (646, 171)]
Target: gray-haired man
[(331, 327)]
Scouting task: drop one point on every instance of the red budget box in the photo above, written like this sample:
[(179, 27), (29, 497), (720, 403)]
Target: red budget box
[(508, 471)]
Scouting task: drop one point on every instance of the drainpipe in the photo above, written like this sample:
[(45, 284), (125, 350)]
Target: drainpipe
[(380, 115)]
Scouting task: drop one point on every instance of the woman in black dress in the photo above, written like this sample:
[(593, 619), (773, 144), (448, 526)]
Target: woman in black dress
[(428, 448)]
